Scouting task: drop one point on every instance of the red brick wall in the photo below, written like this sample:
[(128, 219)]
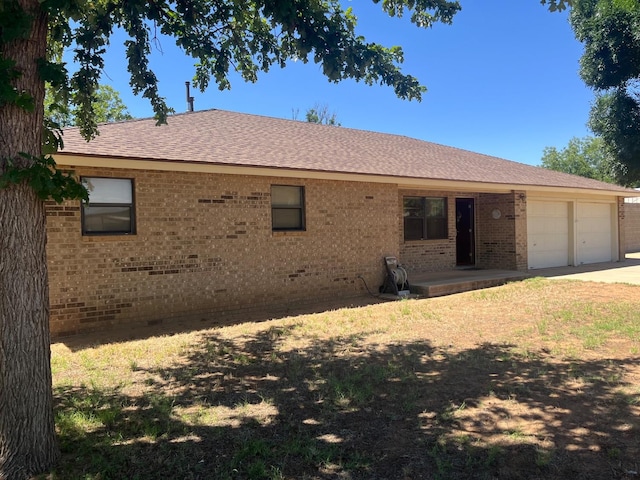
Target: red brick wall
[(204, 246)]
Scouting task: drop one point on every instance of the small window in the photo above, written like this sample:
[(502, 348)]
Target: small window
[(287, 207), (110, 208), (425, 218)]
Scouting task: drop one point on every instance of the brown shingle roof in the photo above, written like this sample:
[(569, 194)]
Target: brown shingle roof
[(229, 138)]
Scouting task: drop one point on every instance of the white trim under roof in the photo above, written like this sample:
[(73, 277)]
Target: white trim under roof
[(72, 161)]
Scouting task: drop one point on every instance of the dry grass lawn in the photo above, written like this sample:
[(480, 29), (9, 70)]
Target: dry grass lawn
[(533, 380)]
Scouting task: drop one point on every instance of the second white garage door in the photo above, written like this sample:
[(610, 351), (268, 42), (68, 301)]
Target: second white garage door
[(593, 230), (548, 234)]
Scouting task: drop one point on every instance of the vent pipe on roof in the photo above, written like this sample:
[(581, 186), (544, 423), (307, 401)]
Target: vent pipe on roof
[(189, 98)]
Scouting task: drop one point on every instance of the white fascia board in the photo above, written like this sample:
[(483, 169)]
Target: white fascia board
[(71, 161)]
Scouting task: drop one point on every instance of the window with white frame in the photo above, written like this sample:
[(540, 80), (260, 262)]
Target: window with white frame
[(110, 210), (287, 207)]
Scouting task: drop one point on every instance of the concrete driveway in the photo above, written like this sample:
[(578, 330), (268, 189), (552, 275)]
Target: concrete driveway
[(627, 271)]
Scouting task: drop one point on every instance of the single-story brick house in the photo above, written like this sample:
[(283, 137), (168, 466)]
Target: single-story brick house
[(220, 211)]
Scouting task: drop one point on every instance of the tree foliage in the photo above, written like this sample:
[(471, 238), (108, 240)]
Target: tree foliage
[(610, 32), (322, 115), (248, 37), (107, 105), (586, 157), (615, 117)]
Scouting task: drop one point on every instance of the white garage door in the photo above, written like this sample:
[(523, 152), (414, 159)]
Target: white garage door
[(593, 232), (548, 234)]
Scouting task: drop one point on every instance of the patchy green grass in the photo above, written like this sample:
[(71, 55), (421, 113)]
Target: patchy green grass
[(537, 379)]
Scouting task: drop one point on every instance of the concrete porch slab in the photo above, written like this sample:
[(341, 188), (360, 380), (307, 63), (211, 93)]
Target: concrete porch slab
[(436, 284)]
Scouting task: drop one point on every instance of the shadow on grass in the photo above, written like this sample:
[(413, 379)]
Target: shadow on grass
[(171, 326), (339, 410)]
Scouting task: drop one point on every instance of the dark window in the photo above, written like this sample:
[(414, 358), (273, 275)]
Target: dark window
[(287, 207), (425, 218), (110, 208)]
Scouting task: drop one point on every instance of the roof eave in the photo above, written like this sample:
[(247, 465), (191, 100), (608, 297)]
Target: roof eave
[(71, 161)]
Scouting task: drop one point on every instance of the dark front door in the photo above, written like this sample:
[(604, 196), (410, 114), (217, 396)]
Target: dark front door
[(465, 232)]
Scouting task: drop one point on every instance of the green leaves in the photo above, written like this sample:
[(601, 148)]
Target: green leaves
[(52, 72), (610, 32), (14, 22), (224, 35), (424, 12), (615, 117), (557, 5), (586, 157), (9, 95), (46, 180), (51, 136)]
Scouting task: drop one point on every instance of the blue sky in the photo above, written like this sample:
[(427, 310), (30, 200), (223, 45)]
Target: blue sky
[(502, 80)]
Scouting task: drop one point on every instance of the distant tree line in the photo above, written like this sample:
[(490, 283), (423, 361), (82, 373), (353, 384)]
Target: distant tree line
[(610, 65)]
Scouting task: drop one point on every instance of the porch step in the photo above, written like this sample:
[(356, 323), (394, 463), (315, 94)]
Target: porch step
[(437, 287)]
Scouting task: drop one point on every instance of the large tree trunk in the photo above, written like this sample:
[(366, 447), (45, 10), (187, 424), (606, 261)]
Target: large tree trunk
[(27, 432)]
